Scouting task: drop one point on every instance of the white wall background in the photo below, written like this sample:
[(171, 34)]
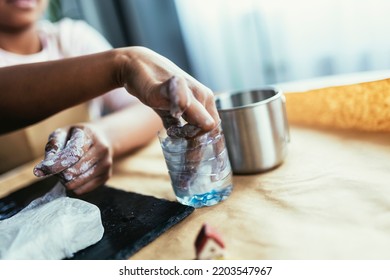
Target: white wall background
[(247, 43)]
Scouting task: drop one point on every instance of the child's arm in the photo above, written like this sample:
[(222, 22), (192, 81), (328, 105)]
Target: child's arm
[(32, 92), (81, 155)]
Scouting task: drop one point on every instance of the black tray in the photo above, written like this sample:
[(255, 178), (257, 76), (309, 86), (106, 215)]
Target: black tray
[(130, 220)]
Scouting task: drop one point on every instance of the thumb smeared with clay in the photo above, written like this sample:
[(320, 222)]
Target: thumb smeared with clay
[(64, 148)]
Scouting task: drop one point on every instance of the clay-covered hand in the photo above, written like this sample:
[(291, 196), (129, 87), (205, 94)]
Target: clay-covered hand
[(79, 155), (172, 92)]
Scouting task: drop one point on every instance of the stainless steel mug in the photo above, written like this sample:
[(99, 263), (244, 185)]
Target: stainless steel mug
[(255, 127)]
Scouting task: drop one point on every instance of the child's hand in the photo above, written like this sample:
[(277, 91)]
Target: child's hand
[(79, 155), (163, 86)]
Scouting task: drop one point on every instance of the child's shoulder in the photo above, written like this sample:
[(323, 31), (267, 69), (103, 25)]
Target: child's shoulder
[(73, 37), (63, 25)]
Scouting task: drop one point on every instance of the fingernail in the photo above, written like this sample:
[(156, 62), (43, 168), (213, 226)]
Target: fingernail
[(38, 172), (209, 122)]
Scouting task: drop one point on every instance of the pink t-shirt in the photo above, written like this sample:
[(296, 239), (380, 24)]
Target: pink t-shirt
[(66, 38)]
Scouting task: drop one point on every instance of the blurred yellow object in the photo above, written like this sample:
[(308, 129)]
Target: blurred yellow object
[(363, 106)]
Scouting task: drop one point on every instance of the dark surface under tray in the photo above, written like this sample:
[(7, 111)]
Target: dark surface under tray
[(130, 220)]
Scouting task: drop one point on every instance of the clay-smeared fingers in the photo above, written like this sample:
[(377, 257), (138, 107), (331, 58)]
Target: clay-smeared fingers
[(176, 91), (82, 169), (187, 98), (94, 163), (56, 142), (202, 110), (92, 183), (78, 143), (196, 114), (167, 119)]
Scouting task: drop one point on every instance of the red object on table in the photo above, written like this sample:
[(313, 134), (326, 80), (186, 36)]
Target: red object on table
[(209, 244)]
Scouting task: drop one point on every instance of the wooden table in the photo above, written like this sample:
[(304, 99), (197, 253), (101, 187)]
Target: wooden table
[(330, 199)]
